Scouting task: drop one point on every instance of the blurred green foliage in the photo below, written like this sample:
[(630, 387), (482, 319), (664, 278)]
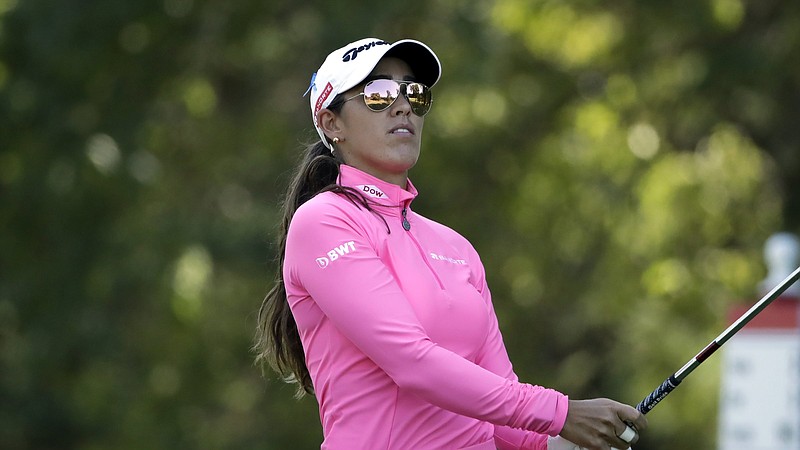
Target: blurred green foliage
[(618, 165)]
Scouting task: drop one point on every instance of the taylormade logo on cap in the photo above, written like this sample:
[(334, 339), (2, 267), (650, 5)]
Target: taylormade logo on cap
[(350, 65), (353, 52)]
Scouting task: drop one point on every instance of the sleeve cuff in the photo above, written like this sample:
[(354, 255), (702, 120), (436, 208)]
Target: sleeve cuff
[(560, 416)]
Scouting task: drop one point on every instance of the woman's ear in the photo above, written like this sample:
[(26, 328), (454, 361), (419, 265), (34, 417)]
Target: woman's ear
[(328, 122)]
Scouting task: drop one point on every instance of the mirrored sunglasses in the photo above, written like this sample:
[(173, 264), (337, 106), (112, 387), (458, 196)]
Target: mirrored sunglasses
[(381, 93)]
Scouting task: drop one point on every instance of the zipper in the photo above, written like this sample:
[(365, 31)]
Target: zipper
[(423, 255)]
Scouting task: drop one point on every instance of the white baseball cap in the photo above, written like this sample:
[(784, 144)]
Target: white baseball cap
[(351, 64)]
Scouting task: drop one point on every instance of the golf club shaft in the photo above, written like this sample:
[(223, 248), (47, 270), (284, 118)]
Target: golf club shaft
[(675, 379)]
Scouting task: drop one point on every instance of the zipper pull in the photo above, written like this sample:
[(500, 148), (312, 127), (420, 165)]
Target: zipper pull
[(406, 225)]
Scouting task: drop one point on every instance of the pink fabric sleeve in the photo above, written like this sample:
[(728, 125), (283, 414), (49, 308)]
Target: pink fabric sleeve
[(494, 357), (358, 294)]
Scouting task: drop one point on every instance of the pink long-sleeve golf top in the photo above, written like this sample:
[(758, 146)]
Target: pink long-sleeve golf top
[(399, 332)]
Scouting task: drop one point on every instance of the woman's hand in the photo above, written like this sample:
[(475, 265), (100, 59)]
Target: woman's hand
[(596, 424)]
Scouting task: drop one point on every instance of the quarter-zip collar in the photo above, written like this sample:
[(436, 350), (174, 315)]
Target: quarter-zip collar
[(381, 192)]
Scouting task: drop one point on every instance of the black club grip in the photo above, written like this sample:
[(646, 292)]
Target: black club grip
[(656, 396)]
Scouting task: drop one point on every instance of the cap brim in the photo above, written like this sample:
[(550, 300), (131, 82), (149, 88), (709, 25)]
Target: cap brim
[(424, 64), (420, 58)]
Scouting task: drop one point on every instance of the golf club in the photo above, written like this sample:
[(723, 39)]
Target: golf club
[(675, 379)]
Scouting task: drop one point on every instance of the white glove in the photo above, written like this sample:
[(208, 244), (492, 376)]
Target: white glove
[(559, 443)]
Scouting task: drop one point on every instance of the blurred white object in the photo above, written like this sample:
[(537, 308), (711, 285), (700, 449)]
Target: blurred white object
[(760, 386), (759, 391), (559, 443), (782, 256)]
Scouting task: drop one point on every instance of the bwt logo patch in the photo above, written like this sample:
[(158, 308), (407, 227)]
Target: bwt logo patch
[(336, 253)]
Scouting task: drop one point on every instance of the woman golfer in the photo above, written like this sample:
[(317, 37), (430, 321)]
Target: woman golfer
[(385, 315)]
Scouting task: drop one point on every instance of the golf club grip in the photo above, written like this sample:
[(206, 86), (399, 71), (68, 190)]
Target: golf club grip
[(656, 396)]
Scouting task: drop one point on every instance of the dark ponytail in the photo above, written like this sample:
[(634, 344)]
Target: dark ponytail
[(277, 342)]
